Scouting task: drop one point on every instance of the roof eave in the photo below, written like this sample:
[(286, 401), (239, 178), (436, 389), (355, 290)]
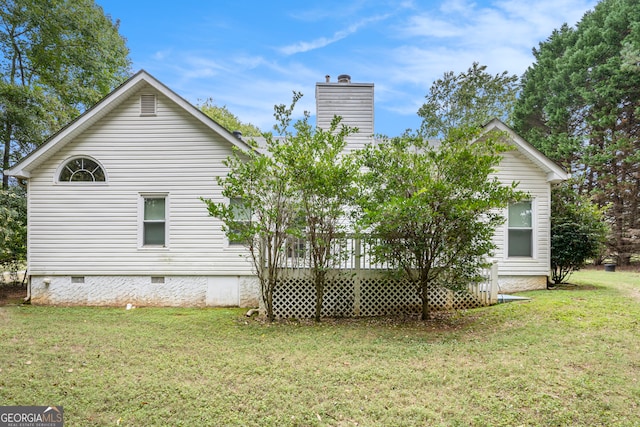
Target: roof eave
[(23, 168), (17, 173), (555, 178), (554, 172)]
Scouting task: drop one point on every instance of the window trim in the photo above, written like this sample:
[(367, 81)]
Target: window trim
[(66, 161), (235, 243), (533, 228), (141, 221)]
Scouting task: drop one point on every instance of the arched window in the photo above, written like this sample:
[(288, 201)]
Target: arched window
[(81, 169)]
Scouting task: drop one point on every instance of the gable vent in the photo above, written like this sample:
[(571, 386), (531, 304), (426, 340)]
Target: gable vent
[(147, 105)]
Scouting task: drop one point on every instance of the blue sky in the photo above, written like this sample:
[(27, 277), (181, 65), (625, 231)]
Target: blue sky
[(251, 55)]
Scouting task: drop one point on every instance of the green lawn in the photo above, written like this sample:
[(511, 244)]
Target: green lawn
[(568, 357)]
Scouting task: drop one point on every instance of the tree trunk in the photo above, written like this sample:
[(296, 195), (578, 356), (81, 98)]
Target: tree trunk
[(268, 285), (426, 312), (319, 282), (6, 155), (269, 300)]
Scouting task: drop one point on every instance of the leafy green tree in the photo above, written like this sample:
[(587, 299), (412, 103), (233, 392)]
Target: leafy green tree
[(228, 120), (579, 105), (578, 231), (323, 178), (433, 210), (470, 98), (58, 57), (13, 228), (267, 208), (631, 51), (298, 189), (262, 219)]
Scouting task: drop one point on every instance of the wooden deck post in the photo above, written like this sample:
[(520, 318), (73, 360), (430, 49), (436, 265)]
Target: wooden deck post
[(357, 277), (494, 283)]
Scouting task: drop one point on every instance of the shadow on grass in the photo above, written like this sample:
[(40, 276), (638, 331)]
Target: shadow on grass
[(440, 321), (573, 287), (12, 294)]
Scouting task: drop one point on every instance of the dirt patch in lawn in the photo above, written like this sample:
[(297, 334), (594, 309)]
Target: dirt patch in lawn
[(440, 321), (634, 293), (12, 294), (574, 287)]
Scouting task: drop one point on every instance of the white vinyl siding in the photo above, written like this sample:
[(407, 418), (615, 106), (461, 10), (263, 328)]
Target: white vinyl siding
[(94, 230), (351, 101), (533, 181)]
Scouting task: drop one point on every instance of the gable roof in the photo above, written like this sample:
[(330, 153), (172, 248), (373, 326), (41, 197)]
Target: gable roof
[(23, 168), (555, 173)]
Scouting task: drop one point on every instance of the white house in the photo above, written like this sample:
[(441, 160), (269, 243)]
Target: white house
[(115, 216)]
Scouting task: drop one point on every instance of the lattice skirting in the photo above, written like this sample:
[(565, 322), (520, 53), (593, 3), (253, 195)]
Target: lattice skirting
[(368, 293)]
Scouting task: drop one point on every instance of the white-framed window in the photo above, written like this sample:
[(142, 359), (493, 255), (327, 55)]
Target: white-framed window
[(154, 221), (241, 214), (81, 169), (520, 229)]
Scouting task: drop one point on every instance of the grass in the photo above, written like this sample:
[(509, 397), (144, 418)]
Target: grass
[(568, 357)]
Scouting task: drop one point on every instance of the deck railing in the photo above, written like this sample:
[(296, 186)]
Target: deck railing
[(348, 253), (359, 285)]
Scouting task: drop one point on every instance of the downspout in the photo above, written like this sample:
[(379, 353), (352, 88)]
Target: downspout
[(25, 183), (27, 299), (252, 311)]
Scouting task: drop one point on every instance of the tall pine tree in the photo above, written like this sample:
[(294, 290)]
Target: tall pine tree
[(580, 103)]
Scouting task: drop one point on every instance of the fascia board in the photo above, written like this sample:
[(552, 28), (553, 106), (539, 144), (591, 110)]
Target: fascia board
[(554, 172), (23, 168)]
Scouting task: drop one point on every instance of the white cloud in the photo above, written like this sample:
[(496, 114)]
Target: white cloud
[(248, 62), (544, 15), (428, 26), (420, 66), (252, 93), (312, 45), (501, 33), (305, 46), (161, 54), (400, 47)]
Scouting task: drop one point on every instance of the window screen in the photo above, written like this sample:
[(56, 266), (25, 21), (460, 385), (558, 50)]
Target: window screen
[(154, 222), (520, 229)]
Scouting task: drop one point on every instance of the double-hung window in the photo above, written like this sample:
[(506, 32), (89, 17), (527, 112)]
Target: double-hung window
[(520, 235), (154, 220), (241, 218)]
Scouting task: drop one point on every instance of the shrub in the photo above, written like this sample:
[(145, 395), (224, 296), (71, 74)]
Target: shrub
[(578, 231)]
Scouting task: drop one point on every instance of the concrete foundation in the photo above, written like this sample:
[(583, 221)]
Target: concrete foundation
[(160, 291), (511, 284)]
